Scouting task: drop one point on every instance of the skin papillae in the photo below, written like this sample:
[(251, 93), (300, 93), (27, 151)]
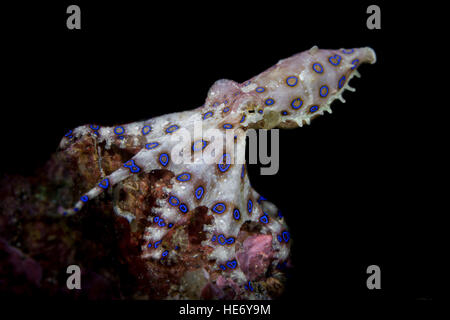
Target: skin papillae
[(287, 95)]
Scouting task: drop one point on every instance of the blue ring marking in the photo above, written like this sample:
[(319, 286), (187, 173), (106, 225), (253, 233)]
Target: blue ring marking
[(226, 109), (157, 243), (317, 65), (84, 198), (243, 171), (151, 145), (184, 177), (249, 286), (279, 238), (224, 167), (196, 148), (215, 104), (155, 219), (264, 218), (96, 132), (164, 159), (242, 119), (172, 128), (226, 101), (250, 206), (232, 264), (165, 253), (260, 111), (221, 236), (76, 209), (207, 115), (121, 128), (284, 113), (65, 213), (354, 63), (199, 192), (219, 206), (261, 198), (336, 58), (149, 245), (183, 208), (68, 134), (236, 214), (280, 215), (291, 78), (313, 108), (176, 203), (269, 101), (146, 130), (170, 225), (286, 236), (296, 103), (132, 166), (213, 238), (341, 82), (260, 89), (161, 223), (120, 137), (222, 267), (177, 247), (93, 127), (104, 183), (323, 95), (230, 240), (348, 51), (227, 126)]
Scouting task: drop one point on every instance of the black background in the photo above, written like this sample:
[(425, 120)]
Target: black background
[(350, 185)]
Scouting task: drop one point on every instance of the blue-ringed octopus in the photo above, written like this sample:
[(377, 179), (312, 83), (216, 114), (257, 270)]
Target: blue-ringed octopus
[(288, 95)]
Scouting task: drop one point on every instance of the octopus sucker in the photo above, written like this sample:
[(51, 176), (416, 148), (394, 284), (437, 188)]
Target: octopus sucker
[(290, 94)]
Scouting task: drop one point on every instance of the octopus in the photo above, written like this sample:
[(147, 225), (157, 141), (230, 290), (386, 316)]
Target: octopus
[(205, 150)]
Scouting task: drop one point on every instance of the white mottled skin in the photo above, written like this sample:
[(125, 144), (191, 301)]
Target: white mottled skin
[(229, 187)]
